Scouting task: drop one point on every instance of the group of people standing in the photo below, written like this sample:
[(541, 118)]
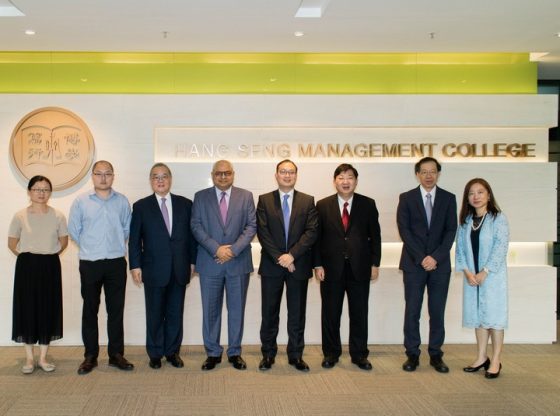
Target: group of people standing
[(338, 240)]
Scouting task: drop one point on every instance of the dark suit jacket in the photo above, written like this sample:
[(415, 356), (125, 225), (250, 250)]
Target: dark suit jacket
[(210, 231), (302, 234), (361, 243), (151, 248), (419, 241)]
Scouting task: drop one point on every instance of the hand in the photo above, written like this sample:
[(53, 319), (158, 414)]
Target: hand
[(319, 273), (224, 254), (192, 269), (429, 263), (137, 276), (471, 279), (374, 273), (291, 268), (480, 277), (285, 260)]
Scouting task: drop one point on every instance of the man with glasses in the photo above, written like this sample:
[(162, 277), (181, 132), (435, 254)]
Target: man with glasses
[(99, 223), (427, 222), (162, 253), (287, 229), (224, 223)]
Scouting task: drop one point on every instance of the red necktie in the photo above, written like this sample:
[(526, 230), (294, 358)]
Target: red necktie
[(345, 216)]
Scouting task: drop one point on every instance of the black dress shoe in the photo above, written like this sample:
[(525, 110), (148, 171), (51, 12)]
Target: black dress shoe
[(438, 364), (175, 360), (237, 362), (299, 364), (329, 361), (362, 363), (211, 362), (87, 365), (266, 363), (493, 375), (411, 363), (120, 362), (155, 363), (470, 369)]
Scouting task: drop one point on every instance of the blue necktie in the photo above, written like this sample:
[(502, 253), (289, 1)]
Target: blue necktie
[(286, 212)]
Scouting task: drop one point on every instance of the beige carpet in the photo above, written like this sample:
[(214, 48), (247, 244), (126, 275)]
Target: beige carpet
[(529, 385)]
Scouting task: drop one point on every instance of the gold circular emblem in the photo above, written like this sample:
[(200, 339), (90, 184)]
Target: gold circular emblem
[(55, 143)]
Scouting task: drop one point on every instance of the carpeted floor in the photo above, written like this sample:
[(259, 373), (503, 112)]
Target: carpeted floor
[(529, 385)]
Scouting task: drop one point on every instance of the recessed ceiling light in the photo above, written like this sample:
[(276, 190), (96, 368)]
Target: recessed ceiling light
[(8, 9), (298, 34), (536, 56), (557, 35), (312, 8), (30, 32)]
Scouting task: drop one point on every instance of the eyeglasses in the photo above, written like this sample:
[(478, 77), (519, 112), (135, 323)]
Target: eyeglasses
[(40, 191), (157, 178), (225, 174), (285, 172), (428, 172), (104, 175)]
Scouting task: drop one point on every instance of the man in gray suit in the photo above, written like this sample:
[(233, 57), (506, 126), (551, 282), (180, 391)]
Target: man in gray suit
[(223, 222)]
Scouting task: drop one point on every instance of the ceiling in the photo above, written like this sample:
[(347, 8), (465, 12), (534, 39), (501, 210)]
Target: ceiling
[(269, 26)]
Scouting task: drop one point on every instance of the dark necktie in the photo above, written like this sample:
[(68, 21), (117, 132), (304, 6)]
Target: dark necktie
[(345, 216)]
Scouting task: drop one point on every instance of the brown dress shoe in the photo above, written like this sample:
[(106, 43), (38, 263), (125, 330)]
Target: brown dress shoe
[(87, 365), (120, 362)]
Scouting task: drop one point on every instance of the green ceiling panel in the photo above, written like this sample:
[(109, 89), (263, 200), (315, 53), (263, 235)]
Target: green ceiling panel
[(267, 73)]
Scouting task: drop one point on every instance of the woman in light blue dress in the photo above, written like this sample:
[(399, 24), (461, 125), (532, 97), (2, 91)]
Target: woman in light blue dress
[(481, 254)]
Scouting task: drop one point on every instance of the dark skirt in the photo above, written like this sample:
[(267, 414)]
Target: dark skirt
[(37, 308)]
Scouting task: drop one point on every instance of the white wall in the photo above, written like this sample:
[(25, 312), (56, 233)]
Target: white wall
[(123, 128)]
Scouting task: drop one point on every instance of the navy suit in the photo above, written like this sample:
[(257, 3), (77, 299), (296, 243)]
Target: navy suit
[(233, 276), (302, 234), (166, 268), (420, 241), (347, 258)]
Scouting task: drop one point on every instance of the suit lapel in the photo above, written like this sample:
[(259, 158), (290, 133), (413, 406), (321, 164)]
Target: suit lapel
[(176, 212), (234, 205), (421, 207), (156, 211), (214, 204), (335, 214)]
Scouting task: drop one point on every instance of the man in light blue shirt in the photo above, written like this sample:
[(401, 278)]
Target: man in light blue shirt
[(99, 223)]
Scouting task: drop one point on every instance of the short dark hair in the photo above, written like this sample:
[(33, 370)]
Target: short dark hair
[(285, 161), (467, 209), (426, 159), (161, 165), (343, 168), (38, 178), (102, 161)]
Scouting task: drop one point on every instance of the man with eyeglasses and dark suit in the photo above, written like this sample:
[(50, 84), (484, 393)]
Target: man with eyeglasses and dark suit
[(287, 229)]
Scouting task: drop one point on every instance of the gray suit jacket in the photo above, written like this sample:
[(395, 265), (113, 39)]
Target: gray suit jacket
[(210, 232)]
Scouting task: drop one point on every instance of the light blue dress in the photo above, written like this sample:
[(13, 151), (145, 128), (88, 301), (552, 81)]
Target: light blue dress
[(485, 306)]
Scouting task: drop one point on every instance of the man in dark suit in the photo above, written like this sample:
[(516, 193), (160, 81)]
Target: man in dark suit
[(224, 223), (347, 257), (427, 221), (287, 230), (162, 253)]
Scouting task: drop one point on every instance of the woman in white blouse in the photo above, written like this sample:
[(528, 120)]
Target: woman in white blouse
[(37, 235)]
